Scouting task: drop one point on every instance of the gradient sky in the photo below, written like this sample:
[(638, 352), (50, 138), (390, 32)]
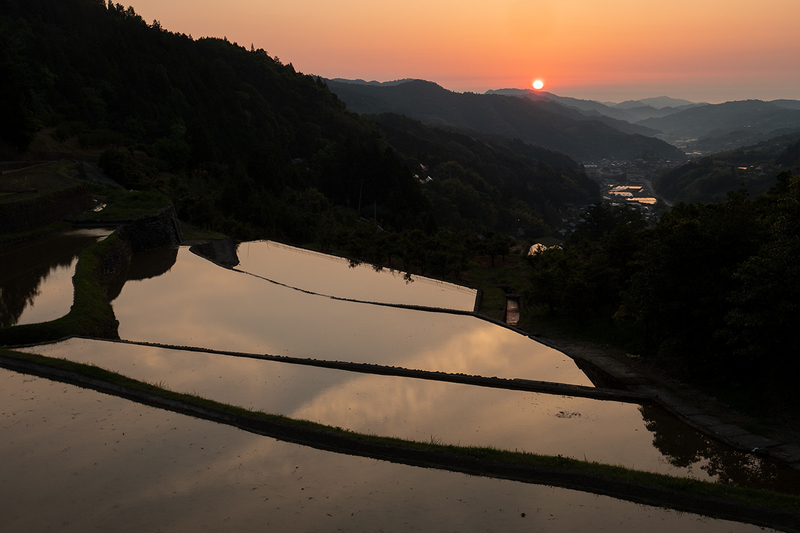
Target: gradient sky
[(607, 50)]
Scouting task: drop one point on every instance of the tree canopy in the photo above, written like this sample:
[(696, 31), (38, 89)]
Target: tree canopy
[(711, 290)]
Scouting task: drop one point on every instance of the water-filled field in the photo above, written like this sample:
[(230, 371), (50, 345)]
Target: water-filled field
[(78, 460), (307, 310)]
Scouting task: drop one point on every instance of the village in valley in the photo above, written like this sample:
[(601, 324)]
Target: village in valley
[(623, 183)]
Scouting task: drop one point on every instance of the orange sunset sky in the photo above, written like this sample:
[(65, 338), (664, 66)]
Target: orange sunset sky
[(608, 50)]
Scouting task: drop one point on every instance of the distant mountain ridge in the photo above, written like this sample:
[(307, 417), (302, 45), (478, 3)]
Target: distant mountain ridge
[(373, 82), (697, 126), (704, 121), (659, 102), (631, 111), (729, 125), (542, 122)]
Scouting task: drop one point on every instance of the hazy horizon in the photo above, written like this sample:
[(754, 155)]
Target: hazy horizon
[(481, 90), (714, 51)]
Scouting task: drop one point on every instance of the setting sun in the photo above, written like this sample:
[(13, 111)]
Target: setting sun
[(538, 84)]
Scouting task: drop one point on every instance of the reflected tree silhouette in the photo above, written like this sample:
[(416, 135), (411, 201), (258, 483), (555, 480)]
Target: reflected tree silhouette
[(685, 447), (144, 265), (25, 267), (17, 294)]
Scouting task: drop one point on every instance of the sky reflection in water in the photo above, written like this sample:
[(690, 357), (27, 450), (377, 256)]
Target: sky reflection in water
[(332, 276), (88, 461), (191, 301), (384, 405), (197, 303)]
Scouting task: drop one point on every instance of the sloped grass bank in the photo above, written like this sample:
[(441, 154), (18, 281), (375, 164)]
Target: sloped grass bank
[(39, 197), (759, 507), (122, 204), (91, 313)]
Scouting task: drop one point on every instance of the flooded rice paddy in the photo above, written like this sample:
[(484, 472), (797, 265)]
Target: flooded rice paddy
[(85, 461), (422, 410), (334, 276), (174, 472), (197, 303)]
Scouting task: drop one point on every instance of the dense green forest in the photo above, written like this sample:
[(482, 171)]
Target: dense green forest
[(244, 144), (712, 291), (481, 181), (249, 144)]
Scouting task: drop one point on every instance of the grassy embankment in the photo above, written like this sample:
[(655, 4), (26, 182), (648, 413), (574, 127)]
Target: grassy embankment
[(36, 188), (38, 179), (121, 204), (39, 184), (489, 280), (718, 500)]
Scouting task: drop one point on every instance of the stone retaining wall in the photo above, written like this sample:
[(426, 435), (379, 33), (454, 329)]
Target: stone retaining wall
[(221, 252), (152, 231), (25, 215)]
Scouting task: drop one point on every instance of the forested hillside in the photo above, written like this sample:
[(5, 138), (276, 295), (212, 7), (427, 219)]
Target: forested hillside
[(240, 128), (711, 178), (239, 140), (710, 293), (488, 181)]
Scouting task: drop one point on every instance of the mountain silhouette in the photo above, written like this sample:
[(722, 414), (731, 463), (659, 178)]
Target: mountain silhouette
[(540, 122)]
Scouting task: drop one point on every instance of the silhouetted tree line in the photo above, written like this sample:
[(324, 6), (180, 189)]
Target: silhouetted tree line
[(243, 143), (225, 122), (713, 290)]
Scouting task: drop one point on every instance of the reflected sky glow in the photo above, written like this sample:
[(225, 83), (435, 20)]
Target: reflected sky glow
[(330, 275), (200, 304), (609, 432), (90, 459), (54, 296), (197, 303), (85, 461)]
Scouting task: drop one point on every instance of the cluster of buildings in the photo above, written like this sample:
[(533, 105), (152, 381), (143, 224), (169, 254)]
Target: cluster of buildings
[(628, 182), (622, 183)]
